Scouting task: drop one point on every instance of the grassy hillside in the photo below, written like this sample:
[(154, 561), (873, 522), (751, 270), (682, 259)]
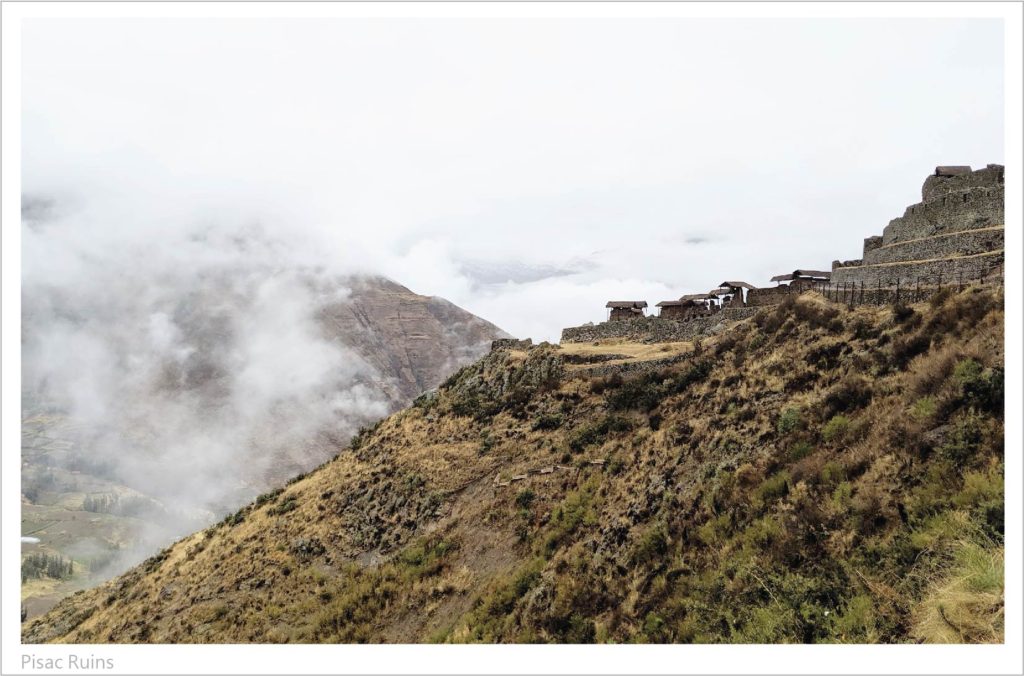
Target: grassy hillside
[(815, 474)]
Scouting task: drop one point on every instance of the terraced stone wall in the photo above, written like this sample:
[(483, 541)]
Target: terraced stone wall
[(966, 268), (655, 329), (963, 210), (966, 243)]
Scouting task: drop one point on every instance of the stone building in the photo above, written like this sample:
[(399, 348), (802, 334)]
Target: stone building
[(694, 305), (734, 293), (626, 309), (954, 233), (803, 278), (671, 309), (703, 303)]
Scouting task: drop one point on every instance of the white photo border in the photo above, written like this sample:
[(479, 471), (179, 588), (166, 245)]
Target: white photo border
[(525, 659)]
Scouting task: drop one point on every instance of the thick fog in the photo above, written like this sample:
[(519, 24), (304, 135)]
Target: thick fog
[(190, 360), (527, 170)]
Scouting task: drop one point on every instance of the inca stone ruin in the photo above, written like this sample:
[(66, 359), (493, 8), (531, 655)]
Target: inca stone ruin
[(953, 236), (954, 233)]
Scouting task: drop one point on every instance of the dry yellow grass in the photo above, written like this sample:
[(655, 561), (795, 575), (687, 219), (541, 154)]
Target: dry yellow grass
[(638, 351), (965, 605), (708, 520)]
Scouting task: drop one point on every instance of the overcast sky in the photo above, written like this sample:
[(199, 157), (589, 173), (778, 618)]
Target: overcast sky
[(526, 170)]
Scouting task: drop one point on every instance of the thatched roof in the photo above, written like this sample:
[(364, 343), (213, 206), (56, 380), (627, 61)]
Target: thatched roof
[(803, 274), (718, 293), (632, 304), (737, 285), (813, 274), (695, 296), (952, 171), (672, 303)]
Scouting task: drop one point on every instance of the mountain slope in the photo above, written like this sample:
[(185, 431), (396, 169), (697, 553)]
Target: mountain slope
[(151, 412), (814, 474)]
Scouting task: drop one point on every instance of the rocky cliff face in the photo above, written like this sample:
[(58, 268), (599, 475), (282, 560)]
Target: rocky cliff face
[(415, 340)]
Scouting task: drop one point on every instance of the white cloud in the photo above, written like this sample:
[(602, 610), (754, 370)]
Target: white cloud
[(412, 146)]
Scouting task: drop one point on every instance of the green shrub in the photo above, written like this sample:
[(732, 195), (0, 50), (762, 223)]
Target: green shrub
[(655, 630), (547, 422), (236, 518), (716, 530), (800, 450), (642, 392), (764, 531), (832, 473), (697, 371), (426, 557), (575, 511), (289, 504), (964, 439), (836, 429), (983, 494), (856, 622), (363, 435), (842, 496), (924, 408), (589, 435), (769, 624), (789, 421), (980, 387), (525, 498), (267, 497), (772, 488), (652, 545), (968, 373)]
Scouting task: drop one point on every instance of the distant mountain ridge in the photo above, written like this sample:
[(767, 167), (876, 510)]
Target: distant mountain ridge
[(417, 340), (202, 390)]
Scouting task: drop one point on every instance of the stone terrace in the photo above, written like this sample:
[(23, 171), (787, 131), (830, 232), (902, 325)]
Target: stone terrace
[(955, 232)]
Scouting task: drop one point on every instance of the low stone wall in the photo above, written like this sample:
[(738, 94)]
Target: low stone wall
[(655, 329), (966, 243), (965, 210), (937, 186), (848, 263), (926, 272), (915, 293), (774, 295), (628, 367)]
